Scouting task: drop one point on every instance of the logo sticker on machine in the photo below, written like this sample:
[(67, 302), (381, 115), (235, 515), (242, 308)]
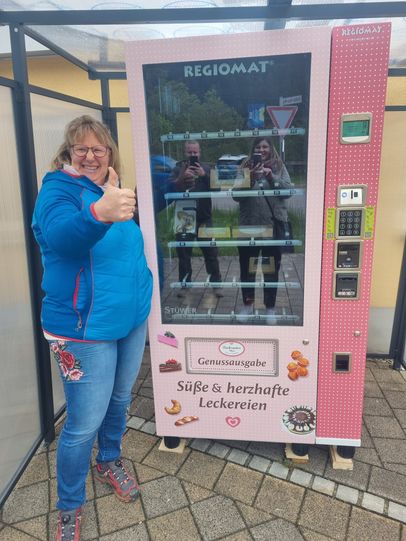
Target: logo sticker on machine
[(247, 357)]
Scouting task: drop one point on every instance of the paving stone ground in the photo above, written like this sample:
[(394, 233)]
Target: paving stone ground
[(235, 491)]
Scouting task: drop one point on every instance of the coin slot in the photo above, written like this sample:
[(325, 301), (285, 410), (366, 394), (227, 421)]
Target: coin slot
[(348, 254), (342, 362)]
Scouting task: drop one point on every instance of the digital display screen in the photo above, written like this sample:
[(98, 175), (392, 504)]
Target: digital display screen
[(355, 128)]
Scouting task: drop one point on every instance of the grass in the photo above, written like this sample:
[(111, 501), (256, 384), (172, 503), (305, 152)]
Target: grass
[(297, 219)]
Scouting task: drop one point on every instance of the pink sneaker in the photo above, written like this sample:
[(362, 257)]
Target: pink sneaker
[(116, 475)]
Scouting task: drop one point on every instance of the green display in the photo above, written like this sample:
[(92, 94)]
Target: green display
[(355, 128)]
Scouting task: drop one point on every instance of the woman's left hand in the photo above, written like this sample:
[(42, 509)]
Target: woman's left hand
[(256, 169), (267, 171)]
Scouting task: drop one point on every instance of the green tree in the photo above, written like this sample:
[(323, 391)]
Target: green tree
[(173, 108)]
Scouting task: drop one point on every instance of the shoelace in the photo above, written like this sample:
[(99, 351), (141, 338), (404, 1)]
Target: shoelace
[(119, 472), (68, 525)]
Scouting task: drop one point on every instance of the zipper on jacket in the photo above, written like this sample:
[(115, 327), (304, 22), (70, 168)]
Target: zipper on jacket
[(75, 300)]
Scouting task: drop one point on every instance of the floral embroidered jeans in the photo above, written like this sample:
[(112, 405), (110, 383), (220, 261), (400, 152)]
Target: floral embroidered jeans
[(97, 379)]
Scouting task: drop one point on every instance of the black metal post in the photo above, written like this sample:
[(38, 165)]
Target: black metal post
[(346, 451), (171, 442), (300, 449), (398, 339), (274, 24), (27, 169)]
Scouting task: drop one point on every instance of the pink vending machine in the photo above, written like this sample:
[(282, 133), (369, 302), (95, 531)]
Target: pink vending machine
[(257, 159)]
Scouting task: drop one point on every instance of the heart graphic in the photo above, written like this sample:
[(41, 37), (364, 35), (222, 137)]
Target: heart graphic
[(233, 421)]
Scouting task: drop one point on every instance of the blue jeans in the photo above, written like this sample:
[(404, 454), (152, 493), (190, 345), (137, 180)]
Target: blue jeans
[(97, 379)]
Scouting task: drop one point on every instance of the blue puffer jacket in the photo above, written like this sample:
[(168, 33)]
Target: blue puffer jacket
[(96, 281)]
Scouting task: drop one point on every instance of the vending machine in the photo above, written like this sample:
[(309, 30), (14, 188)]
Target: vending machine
[(257, 159)]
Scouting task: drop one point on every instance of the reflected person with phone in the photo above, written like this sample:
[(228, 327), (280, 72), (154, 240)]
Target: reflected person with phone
[(193, 175), (267, 172)]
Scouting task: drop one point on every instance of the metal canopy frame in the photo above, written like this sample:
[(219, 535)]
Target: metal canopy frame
[(274, 10), (397, 350), (274, 15)]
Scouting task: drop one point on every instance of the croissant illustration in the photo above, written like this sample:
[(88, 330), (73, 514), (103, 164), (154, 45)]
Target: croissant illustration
[(175, 409)]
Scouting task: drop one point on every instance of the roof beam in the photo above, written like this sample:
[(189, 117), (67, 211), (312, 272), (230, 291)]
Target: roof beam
[(56, 49), (274, 24), (279, 10)]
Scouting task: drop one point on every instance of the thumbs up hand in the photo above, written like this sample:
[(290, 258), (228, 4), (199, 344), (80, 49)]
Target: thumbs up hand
[(112, 179), (116, 205)]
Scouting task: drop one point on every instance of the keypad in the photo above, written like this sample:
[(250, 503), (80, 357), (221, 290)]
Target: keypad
[(349, 223)]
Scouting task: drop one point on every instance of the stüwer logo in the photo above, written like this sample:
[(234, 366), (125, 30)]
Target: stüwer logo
[(171, 310), (226, 68)]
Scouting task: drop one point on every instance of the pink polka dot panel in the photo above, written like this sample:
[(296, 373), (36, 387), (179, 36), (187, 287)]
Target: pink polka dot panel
[(359, 65)]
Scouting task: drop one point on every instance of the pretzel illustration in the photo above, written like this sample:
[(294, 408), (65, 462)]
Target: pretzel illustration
[(187, 419)]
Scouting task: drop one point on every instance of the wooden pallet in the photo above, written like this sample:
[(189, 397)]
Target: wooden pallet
[(338, 462), (179, 449), (290, 455)]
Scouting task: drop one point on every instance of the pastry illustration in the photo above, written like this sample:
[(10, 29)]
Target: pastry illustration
[(299, 419), (174, 409), (168, 338), (185, 420), (302, 371), (171, 365), (293, 374), (303, 362), (298, 367)]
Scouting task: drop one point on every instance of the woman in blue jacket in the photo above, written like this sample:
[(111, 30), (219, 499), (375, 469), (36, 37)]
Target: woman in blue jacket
[(97, 298)]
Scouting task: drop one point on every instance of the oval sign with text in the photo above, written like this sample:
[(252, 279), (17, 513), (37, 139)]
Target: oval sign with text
[(231, 348)]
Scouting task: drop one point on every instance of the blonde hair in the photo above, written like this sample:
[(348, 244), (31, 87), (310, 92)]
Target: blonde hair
[(274, 157), (76, 131)]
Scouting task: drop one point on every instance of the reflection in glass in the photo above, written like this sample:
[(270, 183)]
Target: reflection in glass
[(116, 5), (134, 32), (20, 425), (230, 200), (46, 5), (197, 30), (177, 4)]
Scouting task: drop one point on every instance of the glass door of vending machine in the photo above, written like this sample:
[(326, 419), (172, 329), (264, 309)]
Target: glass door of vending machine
[(235, 242)]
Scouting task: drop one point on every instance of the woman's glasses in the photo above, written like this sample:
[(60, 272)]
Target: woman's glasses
[(81, 150)]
